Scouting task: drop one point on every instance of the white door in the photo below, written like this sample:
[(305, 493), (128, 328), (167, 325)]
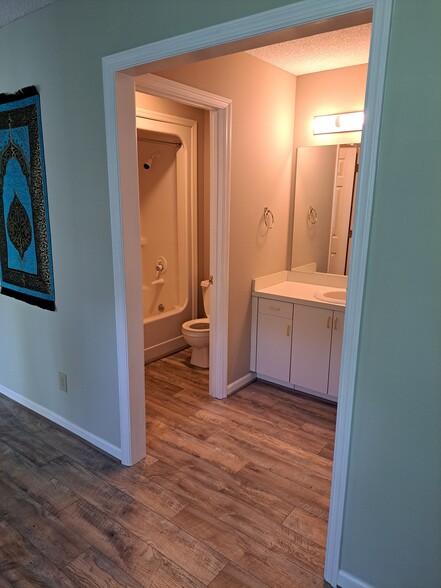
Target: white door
[(335, 360), (311, 343), (341, 209)]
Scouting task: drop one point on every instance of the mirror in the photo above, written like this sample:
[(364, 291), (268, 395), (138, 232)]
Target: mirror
[(324, 198)]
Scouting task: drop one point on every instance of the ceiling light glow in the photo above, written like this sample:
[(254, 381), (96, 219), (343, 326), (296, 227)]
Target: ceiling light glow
[(345, 122)]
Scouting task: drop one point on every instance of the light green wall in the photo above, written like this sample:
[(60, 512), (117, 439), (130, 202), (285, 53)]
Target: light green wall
[(392, 534), (59, 49), (392, 529)]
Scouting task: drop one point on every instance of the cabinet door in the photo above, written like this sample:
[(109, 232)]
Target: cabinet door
[(273, 346), (311, 343), (336, 345)]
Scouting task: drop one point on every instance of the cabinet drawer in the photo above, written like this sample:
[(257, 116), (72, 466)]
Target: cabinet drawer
[(275, 308)]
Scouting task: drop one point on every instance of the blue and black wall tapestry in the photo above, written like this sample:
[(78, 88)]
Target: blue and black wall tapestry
[(26, 271)]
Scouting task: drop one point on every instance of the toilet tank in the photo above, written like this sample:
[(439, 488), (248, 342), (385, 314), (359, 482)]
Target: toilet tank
[(205, 285)]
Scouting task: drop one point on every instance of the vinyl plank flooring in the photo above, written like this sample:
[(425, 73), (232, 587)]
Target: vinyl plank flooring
[(125, 549), (307, 525), (27, 444), (178, 546), (23, 565), (276, 462), (32, 480), (92, 569), (232, 493), (232, 575), (209, 452), (44, 530), (245, 552)]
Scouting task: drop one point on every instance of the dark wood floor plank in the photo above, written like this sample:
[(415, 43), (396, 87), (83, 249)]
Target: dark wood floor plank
[(13, 412), (28, 444), (78, 449), (21, 564), (140, 560), (92, 569), (34, 481), (181, 548), (44, 530)]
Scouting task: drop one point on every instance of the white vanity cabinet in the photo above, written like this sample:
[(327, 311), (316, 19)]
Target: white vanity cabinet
[(297, 345), (273, 340), (335, 358), (316, 349)]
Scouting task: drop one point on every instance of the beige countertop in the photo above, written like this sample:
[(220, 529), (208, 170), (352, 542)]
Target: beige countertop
[(289, 291)]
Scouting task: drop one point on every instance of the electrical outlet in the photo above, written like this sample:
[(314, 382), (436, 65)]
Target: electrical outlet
[(62, 381)]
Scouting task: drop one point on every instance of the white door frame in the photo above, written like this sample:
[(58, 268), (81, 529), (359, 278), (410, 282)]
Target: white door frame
[(119, 103)]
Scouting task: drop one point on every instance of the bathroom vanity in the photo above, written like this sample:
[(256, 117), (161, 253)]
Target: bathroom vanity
[(297, 331)]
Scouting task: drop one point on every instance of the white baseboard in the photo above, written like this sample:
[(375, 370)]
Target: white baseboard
[(163, 349), (346, 580), (240, 383), (59, 420)]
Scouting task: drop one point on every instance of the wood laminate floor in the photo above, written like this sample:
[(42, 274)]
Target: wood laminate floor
[(233, 493)]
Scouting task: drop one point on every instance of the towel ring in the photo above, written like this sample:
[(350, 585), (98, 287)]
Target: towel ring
[(312, 215), (268, 217)]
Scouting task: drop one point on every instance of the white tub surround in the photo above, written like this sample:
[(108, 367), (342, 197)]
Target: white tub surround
[(297, 330)]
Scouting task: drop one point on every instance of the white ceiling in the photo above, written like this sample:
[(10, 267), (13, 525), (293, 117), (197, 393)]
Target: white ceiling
[(10, 10), (332, 50)]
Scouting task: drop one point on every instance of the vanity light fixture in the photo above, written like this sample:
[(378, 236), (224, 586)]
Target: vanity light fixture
[(345, 122)]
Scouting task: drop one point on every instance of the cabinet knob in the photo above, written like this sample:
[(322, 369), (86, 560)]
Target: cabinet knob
[(288, 330), (335, 323), (328, 323)]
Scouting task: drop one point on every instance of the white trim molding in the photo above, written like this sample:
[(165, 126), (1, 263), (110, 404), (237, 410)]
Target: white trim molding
[(362, 222), (346, 580), (220, 156), (65, 423), (241, 383)]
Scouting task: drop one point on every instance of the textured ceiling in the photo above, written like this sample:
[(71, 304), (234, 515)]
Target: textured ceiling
[(340, 48), (12, 9)]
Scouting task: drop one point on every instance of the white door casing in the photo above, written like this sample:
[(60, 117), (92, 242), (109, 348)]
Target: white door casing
[(119, 104)]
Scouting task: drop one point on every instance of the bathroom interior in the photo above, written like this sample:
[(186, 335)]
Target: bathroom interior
[(300, 186)]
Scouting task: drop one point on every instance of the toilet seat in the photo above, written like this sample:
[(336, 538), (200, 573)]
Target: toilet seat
[(197, 327)]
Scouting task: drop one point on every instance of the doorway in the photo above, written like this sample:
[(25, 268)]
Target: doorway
[(119, 89)]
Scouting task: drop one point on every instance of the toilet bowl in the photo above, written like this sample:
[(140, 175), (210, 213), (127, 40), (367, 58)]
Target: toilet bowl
[(197, 332)]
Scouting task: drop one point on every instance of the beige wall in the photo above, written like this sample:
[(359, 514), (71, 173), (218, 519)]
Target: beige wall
[(203, 170), (263, 121), (328, 92)]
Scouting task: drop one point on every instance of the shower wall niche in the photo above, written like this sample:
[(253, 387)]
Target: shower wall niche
[(167, 199)]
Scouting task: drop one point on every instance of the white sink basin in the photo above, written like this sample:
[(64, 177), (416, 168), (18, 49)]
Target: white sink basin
[(337, 296)]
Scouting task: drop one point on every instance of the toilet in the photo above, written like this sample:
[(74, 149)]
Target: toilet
[(197, 331)]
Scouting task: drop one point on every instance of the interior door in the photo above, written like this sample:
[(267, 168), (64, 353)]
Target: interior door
[(341, 208)]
